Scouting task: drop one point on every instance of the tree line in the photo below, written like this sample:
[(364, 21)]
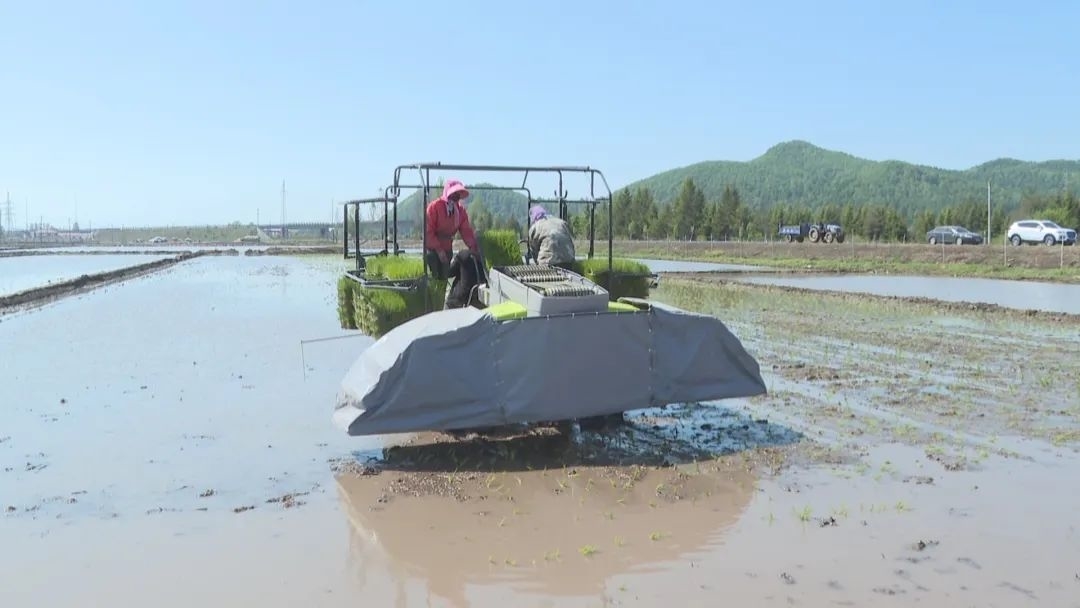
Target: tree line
[(639, 215), (691, 216)]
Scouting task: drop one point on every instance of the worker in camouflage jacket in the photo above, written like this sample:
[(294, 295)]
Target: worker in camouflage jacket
[(550, 239)]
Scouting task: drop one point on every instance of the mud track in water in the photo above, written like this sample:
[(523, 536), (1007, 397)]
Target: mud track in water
[(48, 293)]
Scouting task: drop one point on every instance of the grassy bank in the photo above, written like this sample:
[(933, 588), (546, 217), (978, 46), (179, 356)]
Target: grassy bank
[(1060, 264)]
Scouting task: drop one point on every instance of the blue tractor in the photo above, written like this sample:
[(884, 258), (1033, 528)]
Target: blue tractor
[(819, 232)]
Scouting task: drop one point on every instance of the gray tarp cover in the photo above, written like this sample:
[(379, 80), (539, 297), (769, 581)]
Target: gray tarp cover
[(461, 368)]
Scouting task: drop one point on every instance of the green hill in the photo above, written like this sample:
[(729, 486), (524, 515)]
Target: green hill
[(796, 181), (497, 205), (798, 173)]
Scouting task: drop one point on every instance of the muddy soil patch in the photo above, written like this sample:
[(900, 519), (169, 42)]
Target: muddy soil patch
[(953, 379)]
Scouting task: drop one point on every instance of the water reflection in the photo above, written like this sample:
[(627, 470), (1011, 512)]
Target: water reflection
[(690, 266), (560, 534)]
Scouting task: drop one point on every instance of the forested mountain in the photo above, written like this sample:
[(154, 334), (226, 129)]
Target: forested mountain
[(799, 182), (799, 173)]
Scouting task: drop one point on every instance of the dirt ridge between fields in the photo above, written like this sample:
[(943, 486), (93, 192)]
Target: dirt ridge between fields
[(37, 296), (714, 278)]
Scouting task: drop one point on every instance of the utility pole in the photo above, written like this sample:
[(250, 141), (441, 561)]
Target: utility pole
[(987, 212), (283, 209)]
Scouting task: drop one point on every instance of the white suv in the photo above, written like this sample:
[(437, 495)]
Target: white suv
[(1040, 231)]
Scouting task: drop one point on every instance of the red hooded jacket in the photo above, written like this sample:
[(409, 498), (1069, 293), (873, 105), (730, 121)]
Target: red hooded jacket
[(442, 225)]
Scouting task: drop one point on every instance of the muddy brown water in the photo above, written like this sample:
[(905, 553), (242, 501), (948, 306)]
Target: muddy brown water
[(140, 422)]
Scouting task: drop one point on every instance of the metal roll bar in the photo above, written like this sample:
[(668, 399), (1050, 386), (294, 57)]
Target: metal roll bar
[(424, 170), (392, 196)]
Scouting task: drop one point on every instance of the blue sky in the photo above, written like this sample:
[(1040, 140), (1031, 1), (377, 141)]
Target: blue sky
[(148, 113)]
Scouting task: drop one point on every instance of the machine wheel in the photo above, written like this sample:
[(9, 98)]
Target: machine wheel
[(789, 238), (1015, 239), (1049, 240), (815, 236), (933, 241), (828, 237)]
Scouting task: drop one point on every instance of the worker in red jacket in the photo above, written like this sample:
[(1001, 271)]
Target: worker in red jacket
[(446, 217)]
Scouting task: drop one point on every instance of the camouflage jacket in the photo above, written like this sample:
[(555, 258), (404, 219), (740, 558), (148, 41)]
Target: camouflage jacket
[(551, 242)]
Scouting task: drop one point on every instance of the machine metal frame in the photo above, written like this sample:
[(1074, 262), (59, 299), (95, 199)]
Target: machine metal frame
[(393, 195)]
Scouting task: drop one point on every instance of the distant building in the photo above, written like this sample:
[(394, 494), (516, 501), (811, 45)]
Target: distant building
[(46, 233)]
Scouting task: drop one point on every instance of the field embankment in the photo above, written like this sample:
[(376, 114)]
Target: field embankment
[(993, 261), (47, 293)]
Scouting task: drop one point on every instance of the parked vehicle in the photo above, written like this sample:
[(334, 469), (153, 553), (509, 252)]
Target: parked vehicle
[(1040, 231), (826, 233), (953, 235)]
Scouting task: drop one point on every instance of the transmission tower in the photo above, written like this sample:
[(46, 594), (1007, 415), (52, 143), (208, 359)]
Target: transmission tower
[(9, 213), (283, 233)]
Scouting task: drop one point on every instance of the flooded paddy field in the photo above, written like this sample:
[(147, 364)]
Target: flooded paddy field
[(1021, 295), (26, 272), (167, 441), (856, 250)]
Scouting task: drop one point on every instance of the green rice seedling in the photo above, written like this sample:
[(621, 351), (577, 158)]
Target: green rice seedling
[(596, 270), (346, 311), (377, 311), (587, 550), (804, 514), (500, 248)]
